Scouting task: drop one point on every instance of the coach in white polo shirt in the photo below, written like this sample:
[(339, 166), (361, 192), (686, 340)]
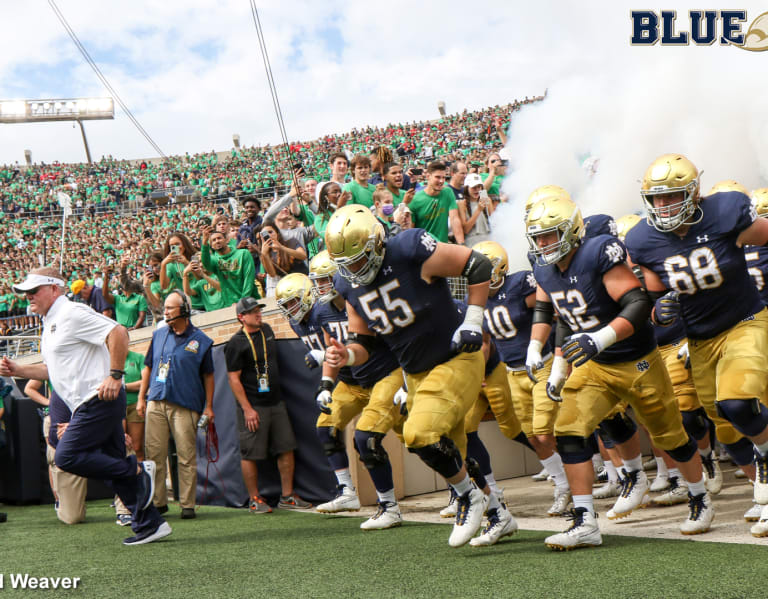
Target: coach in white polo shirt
[(83, 357)]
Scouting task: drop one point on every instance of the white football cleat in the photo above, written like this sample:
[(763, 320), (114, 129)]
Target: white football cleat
[(760, 528), (634, 487), (660, 483), (469, 516), (541, 476), (713, 475), (583, 532), (562, 501), (700, 515), (609, 489), (761, 479), (740, 474), (677, 493), (387, 516), (346, 500), (449, 511), (753, 513), (500, 524), (612, 515)]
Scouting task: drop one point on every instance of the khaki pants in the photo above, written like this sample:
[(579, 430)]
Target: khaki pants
[(163, 420), (69, 488)]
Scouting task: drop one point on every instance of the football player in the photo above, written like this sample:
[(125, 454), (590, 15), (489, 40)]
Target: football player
[(508, 315), (757, 256), (691, 253), (296, 301), (372, 395), (604, 332), (397, 289)]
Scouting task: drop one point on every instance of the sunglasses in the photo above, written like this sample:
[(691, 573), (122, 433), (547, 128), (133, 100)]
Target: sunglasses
[(33, 291)]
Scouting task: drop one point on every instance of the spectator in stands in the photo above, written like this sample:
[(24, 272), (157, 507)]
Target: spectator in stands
[(199, 284), (130, 305), (234, 269), (176, 387), (92, 296), (435, 208), (475, 211), (177, 252), (493, 178), (249, 228), (456, 183), (380, 157), (339, 166), (384, 206), (395, 180), (262, 417), (151, 283), (361, 190), (280, 256)]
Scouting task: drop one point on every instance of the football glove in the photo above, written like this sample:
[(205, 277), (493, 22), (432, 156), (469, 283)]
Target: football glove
[(557, 378), (401, 395), (314, 358), (533, 360), (667, 308), (323, 397), (469, 336), (684, 355), (582, 347)]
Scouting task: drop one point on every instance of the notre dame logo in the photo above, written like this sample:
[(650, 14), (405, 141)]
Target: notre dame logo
[(642, 365)]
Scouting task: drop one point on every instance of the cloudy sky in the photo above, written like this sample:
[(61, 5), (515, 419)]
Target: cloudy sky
[(192, 73)]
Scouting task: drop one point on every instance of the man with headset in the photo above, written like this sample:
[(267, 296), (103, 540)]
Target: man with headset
[(176, 387)]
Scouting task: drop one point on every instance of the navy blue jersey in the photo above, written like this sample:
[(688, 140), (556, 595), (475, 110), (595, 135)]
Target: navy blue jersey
[(381, 361), (310, 330), (581, 300), (757, 266), (493, 353), (416, 319), (508, 319), (705, 266), (599, 224)]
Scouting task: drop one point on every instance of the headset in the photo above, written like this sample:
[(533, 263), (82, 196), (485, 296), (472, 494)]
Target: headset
[(184, 310)]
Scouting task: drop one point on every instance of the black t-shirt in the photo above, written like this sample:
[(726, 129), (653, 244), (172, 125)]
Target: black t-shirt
[(239, 356)]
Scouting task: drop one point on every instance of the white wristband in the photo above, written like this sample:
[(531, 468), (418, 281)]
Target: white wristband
[(474, 315), (350, 357), (534, 345), (605, 337)]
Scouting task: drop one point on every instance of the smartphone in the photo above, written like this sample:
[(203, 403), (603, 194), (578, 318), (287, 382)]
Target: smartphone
[(195, 258), (413, 184), (505, 162), (265, 234), (175, 249), (417, 171)]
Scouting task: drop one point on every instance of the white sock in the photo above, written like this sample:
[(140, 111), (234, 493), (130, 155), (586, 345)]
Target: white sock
[(554, 466), (697, 488), (762, 448), (585, 501), (705, 453), (493, 502), (661, 468), (597, 461), (491, 480), (344, 477), (613, 474), (387, 496), (463, 486), (675, 472), (634, 464)]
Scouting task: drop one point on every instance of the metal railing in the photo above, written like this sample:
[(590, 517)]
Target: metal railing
[(14, 346)]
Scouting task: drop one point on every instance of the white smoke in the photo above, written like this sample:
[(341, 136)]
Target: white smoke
[(627, 108)]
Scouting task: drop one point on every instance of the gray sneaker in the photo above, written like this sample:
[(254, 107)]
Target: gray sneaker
[(259, 506), (293, 502)]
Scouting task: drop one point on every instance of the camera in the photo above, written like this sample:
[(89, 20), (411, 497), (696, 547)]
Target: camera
[(204, 220), (505, 162)]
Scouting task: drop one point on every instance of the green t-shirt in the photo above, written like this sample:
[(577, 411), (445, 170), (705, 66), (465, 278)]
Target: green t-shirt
[(128, 308), (235, 272), (360, 195), (431, 212), (173, 271), (207, 294), (134, 362), (495, 189), (398, 199)]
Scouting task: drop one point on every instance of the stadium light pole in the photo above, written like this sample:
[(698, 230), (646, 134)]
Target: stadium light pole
[(441, 108), (62, 109)]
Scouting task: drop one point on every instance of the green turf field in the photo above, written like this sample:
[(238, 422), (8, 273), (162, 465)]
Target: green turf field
[(230, 553)]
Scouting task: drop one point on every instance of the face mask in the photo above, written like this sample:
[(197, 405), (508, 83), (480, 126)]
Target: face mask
[(387, 209)]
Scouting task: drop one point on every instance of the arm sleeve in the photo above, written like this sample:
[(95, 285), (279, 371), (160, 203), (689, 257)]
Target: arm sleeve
[(233, 355), (276, 207), (416, 244), (611, 252), (90, 326), (143, 304), (527, 284), (736, 212), (205, 257), (249, 274)]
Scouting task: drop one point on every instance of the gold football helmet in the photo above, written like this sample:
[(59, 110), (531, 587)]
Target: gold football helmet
[(625, 224), (728, 185), (543, 192), (294, 296), (499, 260), (321, 271), (671, 173), (557, 214), (355, 241), (760, 201)]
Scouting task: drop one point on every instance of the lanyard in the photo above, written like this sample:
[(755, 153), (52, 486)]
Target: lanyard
[(255, 357)]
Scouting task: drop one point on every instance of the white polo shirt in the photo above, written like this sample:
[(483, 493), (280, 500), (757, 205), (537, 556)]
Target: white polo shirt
[(73, 347)]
